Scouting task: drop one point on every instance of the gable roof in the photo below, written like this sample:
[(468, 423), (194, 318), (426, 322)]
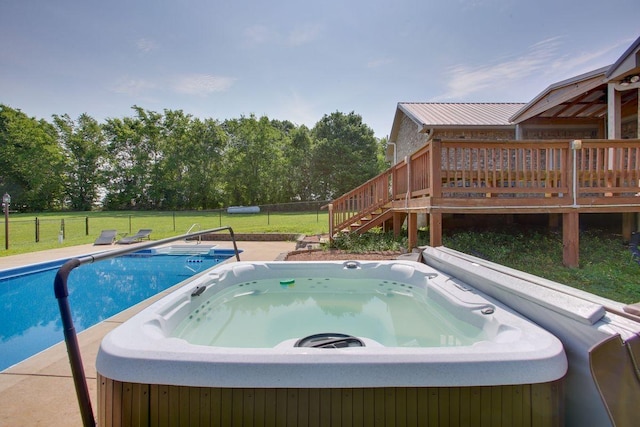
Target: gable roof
[(460, 114), (580, 96), (428, 115), (629, 61)]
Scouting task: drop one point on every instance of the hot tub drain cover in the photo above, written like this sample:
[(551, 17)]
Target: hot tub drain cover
[(329, 340)]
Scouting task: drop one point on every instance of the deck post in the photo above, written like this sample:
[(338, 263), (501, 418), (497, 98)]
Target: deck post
[(614, 112), (398, 219), (627, 225), (435, 169), (570, 238), (435, 229), (412, 231), (614, 126)]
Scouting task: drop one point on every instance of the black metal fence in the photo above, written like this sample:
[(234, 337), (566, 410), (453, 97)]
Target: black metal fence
[(77, 228)]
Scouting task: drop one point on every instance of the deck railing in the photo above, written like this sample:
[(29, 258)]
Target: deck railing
[(492, 174), (362, 201)]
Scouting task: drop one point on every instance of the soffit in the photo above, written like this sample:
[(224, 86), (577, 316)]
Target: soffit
[(583, 96)]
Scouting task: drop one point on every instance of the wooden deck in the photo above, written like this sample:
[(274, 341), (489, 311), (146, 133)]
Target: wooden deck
[(566, 177)]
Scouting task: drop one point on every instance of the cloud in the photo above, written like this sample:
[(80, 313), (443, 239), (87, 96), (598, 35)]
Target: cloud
[(541, 64), (581, 62), (379, 62), (202, 84), (132, 86), (465, 80), (301, 35), (298, 36), (146, 45), (258, 34)]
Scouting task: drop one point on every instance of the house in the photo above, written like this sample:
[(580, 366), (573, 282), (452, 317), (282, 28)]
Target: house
[(573, 149), (416, 123)]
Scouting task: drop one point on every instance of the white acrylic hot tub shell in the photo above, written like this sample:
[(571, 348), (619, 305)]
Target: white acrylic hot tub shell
[(142, 351)]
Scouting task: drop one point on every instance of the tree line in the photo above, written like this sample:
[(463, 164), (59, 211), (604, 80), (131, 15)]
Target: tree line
[(173, 161)]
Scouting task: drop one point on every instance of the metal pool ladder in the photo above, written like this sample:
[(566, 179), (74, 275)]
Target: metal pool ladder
[(70, 335), (191, 229)]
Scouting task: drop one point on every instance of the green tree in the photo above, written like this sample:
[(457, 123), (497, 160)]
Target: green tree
[(204, 180), (164, 161), (134, 161), (383, 163), (254, 167), (345, 154), (299, 165), (192, 157), (31, 161), (83, 144), (174, 154)]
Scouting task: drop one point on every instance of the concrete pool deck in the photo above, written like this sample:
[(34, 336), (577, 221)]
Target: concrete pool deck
[(40, 391)]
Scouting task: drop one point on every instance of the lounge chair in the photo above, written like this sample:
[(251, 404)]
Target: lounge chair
[(142, 234), (107, 237)]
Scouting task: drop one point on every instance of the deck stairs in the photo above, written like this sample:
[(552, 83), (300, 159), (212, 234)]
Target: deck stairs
[(373, 219), (368, 221)]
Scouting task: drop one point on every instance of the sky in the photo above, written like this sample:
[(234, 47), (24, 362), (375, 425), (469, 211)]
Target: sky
[(295, 60)]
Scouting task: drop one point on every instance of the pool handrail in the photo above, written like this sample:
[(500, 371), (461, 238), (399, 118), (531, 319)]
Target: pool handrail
[(70, 336)]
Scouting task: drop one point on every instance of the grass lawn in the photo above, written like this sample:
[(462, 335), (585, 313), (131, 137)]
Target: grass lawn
[(607, 267), (85, 227)]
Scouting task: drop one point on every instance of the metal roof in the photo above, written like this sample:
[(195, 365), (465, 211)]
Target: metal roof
[(429, 114), (629, 59)]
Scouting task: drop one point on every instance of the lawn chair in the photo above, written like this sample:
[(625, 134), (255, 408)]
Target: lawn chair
[(142, 234), (107, 237)]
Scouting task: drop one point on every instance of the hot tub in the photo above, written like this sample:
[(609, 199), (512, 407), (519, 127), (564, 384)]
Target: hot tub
[(293, 332)]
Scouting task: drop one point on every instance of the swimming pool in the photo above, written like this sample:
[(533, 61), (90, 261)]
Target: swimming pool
[(29, 315), (395, 329)]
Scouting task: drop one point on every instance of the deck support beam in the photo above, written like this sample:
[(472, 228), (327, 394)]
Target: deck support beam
[(627, 225), (412, 231), (435, 229), (570, 239), (398, 220)]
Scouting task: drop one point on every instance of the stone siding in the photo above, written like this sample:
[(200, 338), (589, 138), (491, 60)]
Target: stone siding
[(488, 134), (630, 129), (409, 140)]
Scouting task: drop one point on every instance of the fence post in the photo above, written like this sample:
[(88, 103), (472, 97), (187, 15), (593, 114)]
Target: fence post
[(37, 230), (174, 221), (86, 225), (62, 236)]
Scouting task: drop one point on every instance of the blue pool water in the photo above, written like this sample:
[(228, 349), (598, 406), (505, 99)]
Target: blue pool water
[(29, 313)]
